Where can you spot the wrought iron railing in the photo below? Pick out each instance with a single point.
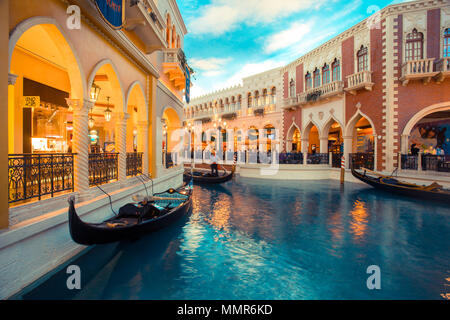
(336, 160)
(362, 160)
(290, 158)
(134, 163)
(318, 158)
(435, 163)
(36, 175)
(410, 162)
(103, 168)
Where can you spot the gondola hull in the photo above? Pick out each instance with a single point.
(409, 190)
(91, 233)
(208, 179)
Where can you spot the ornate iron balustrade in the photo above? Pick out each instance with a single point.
(290, 158)
(134, 163)
(362, 160)
(318, 158)
(103, 168)
(36, 175)
(435, 163)
(336, 160)
(410, 162)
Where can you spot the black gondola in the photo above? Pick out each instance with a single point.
(432, 192)
(132, 221)
(201, 177)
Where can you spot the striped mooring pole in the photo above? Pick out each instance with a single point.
(342, 169)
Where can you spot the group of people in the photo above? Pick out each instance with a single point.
(435, 151)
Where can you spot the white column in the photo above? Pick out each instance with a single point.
(323, 144)
(142, 142)
(121, 143)
(80, 142)
(348, 146)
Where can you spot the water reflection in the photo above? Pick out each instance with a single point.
(358, 224)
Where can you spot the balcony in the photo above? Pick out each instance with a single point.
(418, 70)
(290, 103)
(443, 69)
(358, 81)
(145, 20)
(325, 91)
(173, 67)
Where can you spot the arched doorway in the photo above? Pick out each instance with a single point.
(293, 142)
(269, 136)
(46, 73)
(362, 146)
(136, 131)
(333, 133)
(107, 126)
(311, 135)
(170, 122)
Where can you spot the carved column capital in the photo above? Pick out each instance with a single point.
(12, 78)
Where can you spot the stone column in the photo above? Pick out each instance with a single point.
(80, 142)
(142, 144)
(323, 144)
(121, 143)
(348, 148)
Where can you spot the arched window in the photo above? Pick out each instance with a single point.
(414, 46)
(308, 81)
(363, 61)
(446, 53)
(168, 29)
(316, 78)
(325, 74)
(257, 100)
(249, 100)
(336, 69)
(265, 98)
(273, 95)
(292, 88)
(174, 36)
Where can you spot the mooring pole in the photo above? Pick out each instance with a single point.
(342, 169)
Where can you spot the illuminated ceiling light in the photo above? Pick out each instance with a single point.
(107, 112)
(95, 92)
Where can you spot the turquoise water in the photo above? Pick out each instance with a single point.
(255, 239)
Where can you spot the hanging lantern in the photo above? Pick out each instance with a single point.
(108, 112)
(95, 92)
(91, 122)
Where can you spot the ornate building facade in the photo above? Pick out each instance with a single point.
(368, 93)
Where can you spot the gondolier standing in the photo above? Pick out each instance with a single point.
(214, 163)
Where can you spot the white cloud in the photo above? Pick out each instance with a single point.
(248, 70)
(196, 90)
(224, 15)
(287, 37)
(209, 67)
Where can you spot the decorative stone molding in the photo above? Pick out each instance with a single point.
(12, 78)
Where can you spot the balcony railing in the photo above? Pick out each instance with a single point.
(289, 102)
(409, 162)
(443, 69)
(173, 65)
(325, 91)
(134, 163)
(291, 158)
(418, 69)
(37, 175)
(360, 80)
(103, 168)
